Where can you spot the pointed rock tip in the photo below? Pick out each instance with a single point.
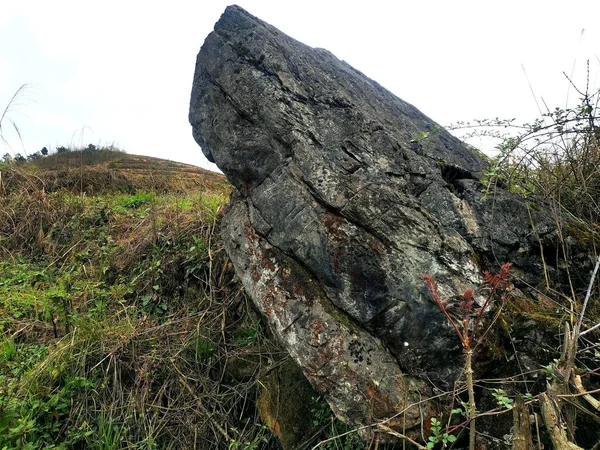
(235, 16)
(234, 9)
(237, 11)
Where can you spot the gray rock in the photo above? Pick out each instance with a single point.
(345, 196)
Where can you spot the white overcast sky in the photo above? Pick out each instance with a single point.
(121, 71)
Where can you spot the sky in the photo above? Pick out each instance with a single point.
(120, 72)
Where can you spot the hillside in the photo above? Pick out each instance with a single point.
(107, 170)
(121, 324)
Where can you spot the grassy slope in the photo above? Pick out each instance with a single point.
(120, 325)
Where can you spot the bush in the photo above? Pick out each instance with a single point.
(557, 158)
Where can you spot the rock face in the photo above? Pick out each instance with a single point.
(345, 196)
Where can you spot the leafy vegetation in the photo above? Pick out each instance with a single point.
(556, 157)
(121, 323)
(117, 315)
(438, 436)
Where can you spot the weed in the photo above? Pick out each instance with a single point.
(335, 434)
(204, 348)
(5, 117)
(238, 442)
(425, 134)
(556, 157)
(471, 325)
(438, 436)
(340, 436)
(135, 201)
(550, 370)
(108, 435)
(502, 399)
(8, 350)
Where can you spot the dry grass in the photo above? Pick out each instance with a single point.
(122, 324)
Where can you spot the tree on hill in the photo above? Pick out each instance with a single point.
(34, 156)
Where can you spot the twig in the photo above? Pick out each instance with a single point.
(587, 297)
(388, 430)
(199, 401)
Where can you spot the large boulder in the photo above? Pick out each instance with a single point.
(345, 196)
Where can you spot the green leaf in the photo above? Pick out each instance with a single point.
(146, 299)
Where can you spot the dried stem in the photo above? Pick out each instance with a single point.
(472, 406)
(587, 297)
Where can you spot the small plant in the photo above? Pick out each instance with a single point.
(550, 371)
(213, 204)
(197, 259)
(239, 443)
(135, 201)
(205, 348)
(336, 435)
(439, 437)
(108, 435)
(502, 399)
(248, 335)
(425, 134)
(8, 350)
(463, 410)
(468, 328)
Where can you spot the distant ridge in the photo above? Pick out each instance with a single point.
(106, 170)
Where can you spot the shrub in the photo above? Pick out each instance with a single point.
(556, 157)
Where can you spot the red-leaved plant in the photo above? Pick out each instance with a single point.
(494, 285)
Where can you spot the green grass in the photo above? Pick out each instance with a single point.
(115, 315)
(122, 325)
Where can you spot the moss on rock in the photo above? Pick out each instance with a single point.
(286, 402)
